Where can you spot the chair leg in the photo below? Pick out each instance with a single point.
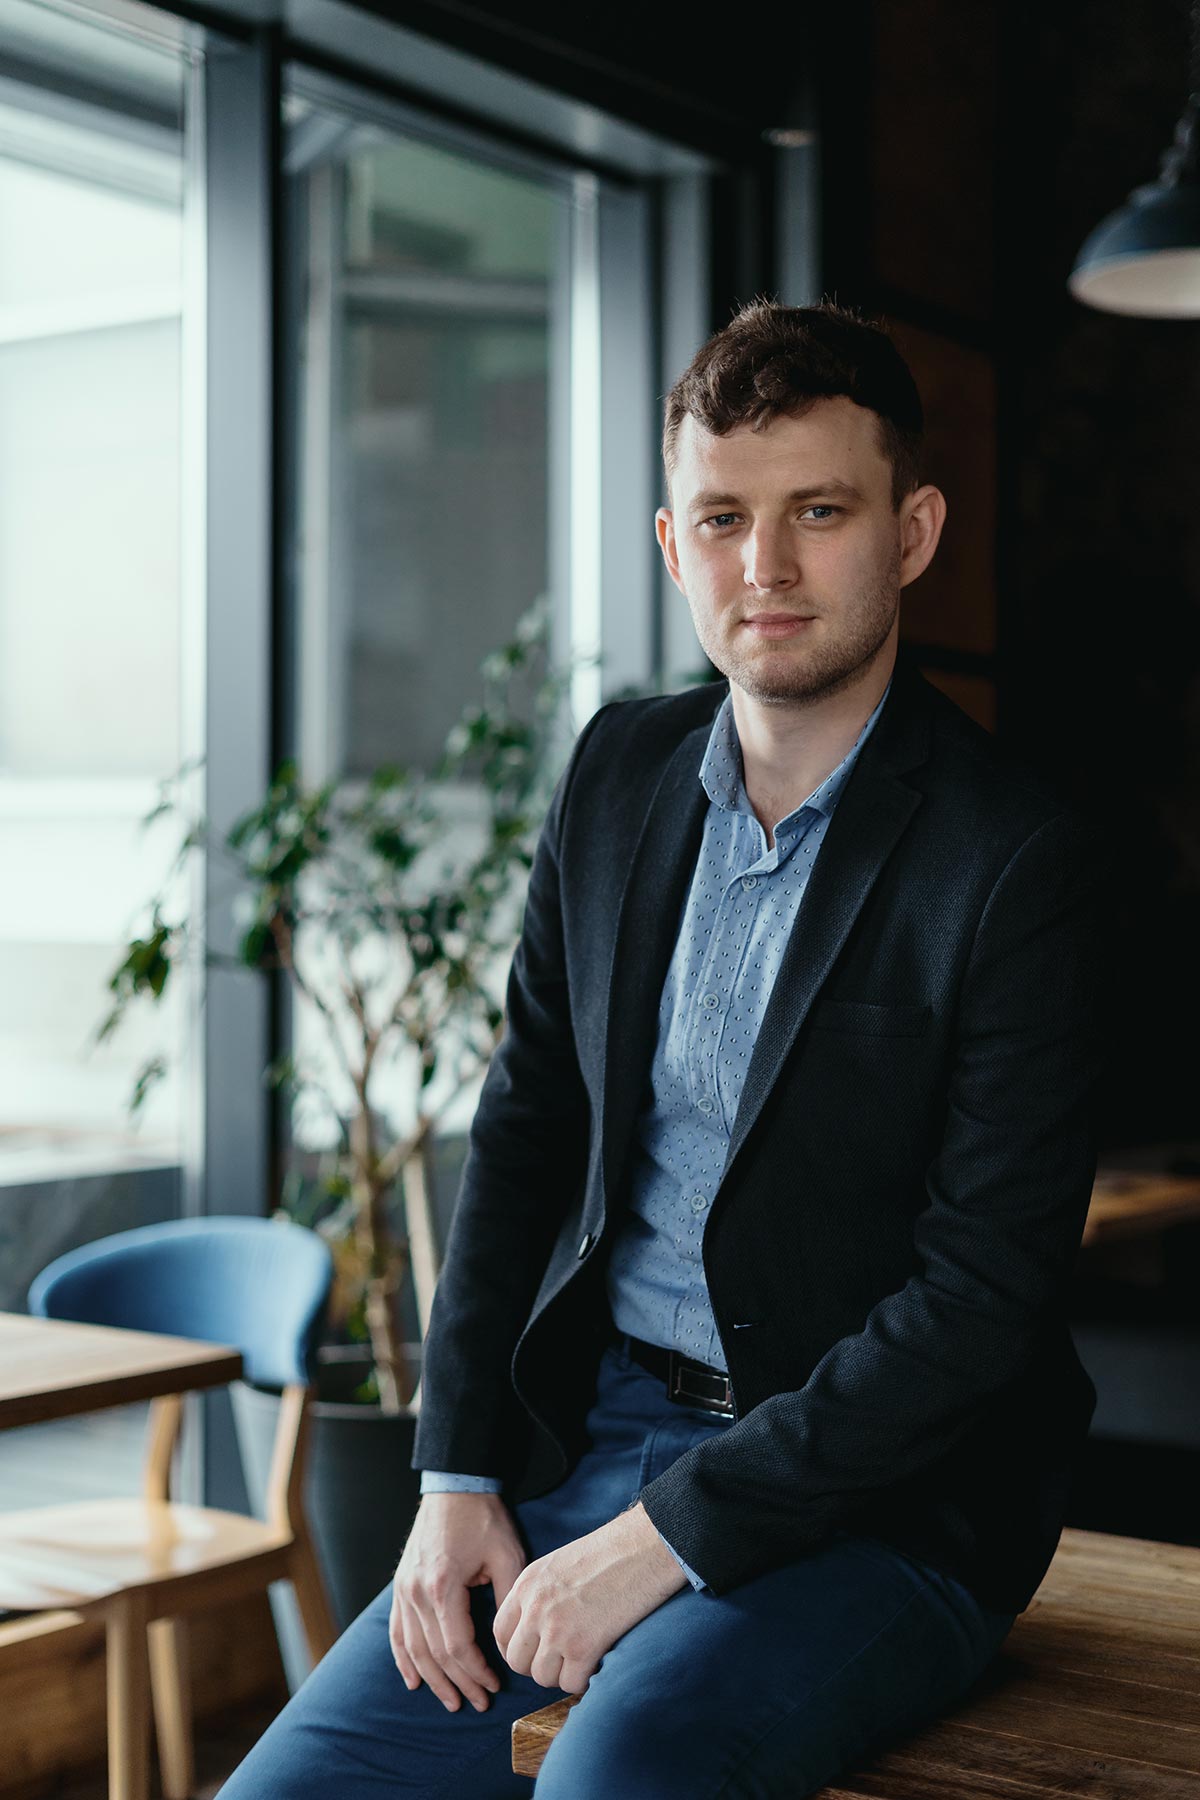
(128, 1698)
(170, 1684)
(316, 1615)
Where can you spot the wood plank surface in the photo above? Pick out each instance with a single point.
(53, 1369)
(1094, 1695)
(533, 1735)
(55, 1556)
(1076, 1644)
(1126, 1204)
(1130, 1726)
(953, 1762)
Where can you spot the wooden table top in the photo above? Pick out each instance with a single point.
(1131, 1203)
(1093, 1692)
(54, 1369)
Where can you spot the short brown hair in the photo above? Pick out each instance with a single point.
(772, 361)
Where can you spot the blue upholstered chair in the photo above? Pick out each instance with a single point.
(142, 1565)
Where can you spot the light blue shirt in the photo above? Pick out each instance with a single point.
(736, 921)
(740, 910)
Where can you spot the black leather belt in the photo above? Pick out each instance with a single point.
(688, 1383)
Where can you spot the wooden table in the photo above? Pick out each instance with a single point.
(54, 1369)
(1137, 1203)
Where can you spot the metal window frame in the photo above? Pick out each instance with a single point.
(685, 238)
(239, 121)
(241, 97)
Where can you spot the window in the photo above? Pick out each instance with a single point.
(93, 217)
(434, 286)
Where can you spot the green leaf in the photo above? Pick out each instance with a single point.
(255, 944)
(146, 965)
(110, 1025)
(280, 1072)
(393, 847)
(149, 1077)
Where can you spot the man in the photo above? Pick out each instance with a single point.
(749, 1407)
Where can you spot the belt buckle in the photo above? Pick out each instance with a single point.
(709, 1389)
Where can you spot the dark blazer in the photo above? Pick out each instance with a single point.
(906, 1183)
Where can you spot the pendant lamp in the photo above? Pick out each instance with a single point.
(1144, 259)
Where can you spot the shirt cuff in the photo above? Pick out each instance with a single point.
(437, 1481)
(698, 1582)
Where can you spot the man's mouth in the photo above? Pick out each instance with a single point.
(774, 625)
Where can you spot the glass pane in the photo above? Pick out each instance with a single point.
(424, 357)
(417, 206)
(446, 442)
(91, 218)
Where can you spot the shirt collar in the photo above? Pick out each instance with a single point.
(721, 769)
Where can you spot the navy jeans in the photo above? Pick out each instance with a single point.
(775, 1688)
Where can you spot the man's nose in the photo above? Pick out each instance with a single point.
(770, 558)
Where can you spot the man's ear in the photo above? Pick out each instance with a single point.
(664, 530)
(923, 515)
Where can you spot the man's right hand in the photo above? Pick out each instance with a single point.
(458, 1541)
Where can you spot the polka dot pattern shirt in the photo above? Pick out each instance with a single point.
(736, 921)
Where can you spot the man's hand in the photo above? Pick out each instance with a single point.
(566, 1609)
(458, 1541)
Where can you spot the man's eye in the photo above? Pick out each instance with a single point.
(721, 520)
(830, 510)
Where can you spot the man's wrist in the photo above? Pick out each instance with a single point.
(659, 1555)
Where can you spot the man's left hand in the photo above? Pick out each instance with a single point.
(566, 1609)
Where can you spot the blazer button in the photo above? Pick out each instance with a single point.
(585, 1244)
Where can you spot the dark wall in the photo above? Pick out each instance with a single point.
(1064, 605)
(1106, 581)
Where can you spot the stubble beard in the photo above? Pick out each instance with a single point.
(830, 659)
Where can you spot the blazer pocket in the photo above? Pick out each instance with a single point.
(870, 1018)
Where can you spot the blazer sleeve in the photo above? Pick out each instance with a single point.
(1008, 1193)
(526, 1154)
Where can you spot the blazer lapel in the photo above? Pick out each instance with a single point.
(874, 809)
(656, 887)
(844, 874)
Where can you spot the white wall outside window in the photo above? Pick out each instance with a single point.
(91, 582)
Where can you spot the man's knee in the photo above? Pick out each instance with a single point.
(655, 1752)
(609, 1746)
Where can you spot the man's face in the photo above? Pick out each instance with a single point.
(786, 546)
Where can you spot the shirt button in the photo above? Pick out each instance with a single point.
(585, 1244)
(749, 881)
(710, 1000)
(698, 1203)
(706, 1105)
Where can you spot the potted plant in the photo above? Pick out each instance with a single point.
(391, 906)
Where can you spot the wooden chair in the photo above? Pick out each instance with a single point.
(143, 1565)
(1095, 1692)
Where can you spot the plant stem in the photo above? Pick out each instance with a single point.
(418, 1217)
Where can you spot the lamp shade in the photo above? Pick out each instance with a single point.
(1144, 258)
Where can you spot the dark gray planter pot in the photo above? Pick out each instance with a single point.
(360, 1492)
